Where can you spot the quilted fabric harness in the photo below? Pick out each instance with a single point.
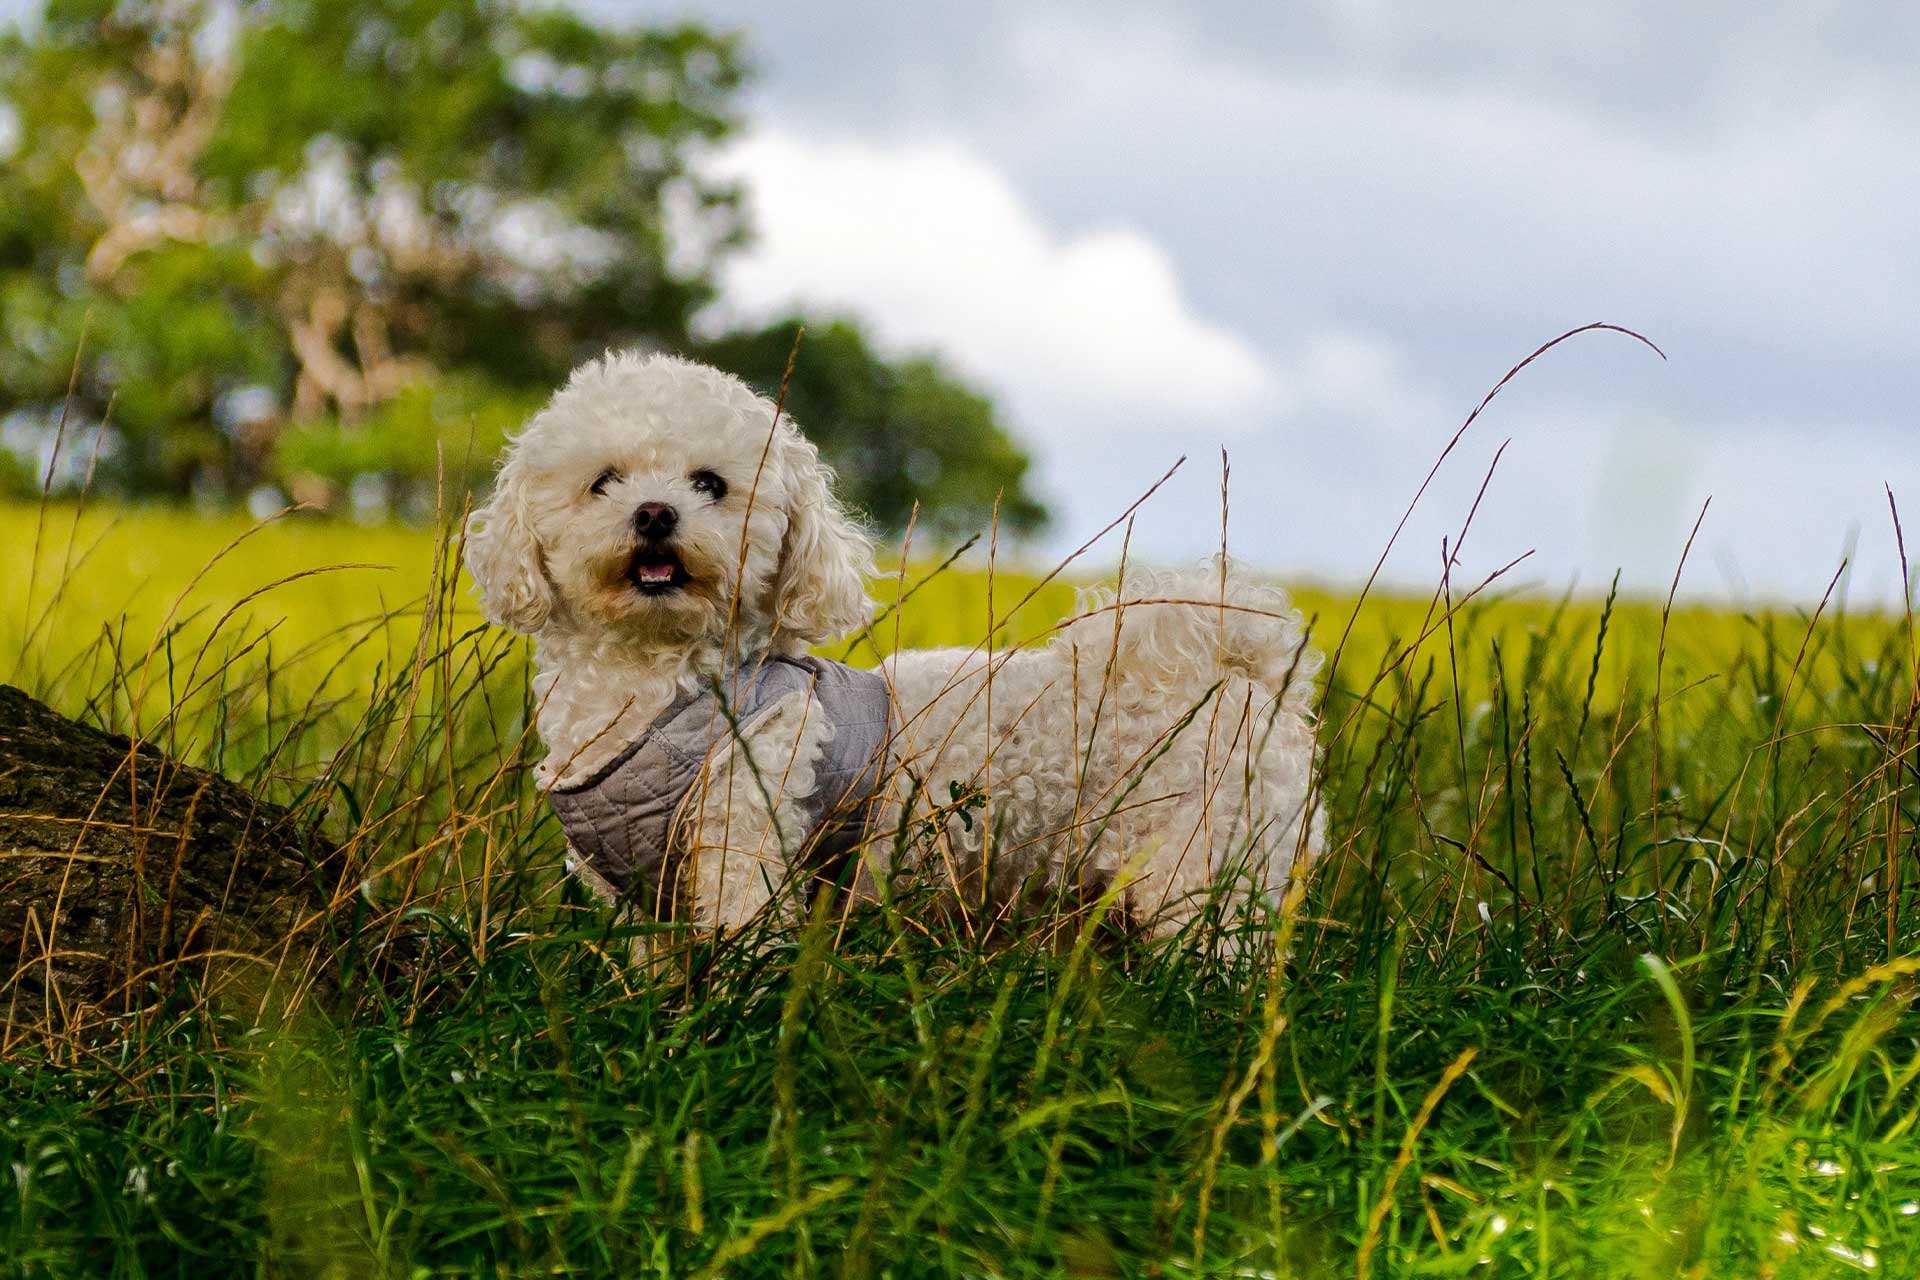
(621, 821)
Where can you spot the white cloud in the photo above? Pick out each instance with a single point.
(1390, 211)
(933, 246)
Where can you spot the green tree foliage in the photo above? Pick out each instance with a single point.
(334, 243)
(293, 211)
(900, 432)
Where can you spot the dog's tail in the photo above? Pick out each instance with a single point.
(1173, 634)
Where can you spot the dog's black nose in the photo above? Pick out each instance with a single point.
(654, 519)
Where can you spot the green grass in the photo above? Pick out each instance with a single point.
(1551, 1005)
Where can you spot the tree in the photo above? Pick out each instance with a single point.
(327, 242)
(900, 432)
(294, 211)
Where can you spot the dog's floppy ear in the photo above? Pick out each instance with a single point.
(504, 558)
(820, 588)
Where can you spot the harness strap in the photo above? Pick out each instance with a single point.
(621, 821)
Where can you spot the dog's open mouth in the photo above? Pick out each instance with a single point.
(655, 571)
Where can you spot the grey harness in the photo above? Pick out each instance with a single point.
(620, 821)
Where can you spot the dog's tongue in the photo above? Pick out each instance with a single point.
(655, 572)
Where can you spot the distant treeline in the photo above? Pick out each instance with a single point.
(333, 250)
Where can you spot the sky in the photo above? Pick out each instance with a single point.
(1316, 234)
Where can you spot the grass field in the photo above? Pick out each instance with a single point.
(1608, 972)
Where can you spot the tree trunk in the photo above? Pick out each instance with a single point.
(128, 878)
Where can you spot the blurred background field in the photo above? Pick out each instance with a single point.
(329, 605)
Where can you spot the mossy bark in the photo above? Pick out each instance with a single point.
(127, 878)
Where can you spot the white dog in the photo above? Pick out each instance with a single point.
(667, 541)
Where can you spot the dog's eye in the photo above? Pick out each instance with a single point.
(710, 484)
(601, 481)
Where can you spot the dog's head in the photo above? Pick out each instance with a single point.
(648, 497)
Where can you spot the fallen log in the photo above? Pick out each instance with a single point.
(128, 878)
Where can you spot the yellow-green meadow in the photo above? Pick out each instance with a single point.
(329, 603)
(1606, 970)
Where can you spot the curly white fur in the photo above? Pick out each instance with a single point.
(1162, 740)
(1161, 743)
(776, 564)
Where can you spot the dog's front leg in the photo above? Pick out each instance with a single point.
(746, 823)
